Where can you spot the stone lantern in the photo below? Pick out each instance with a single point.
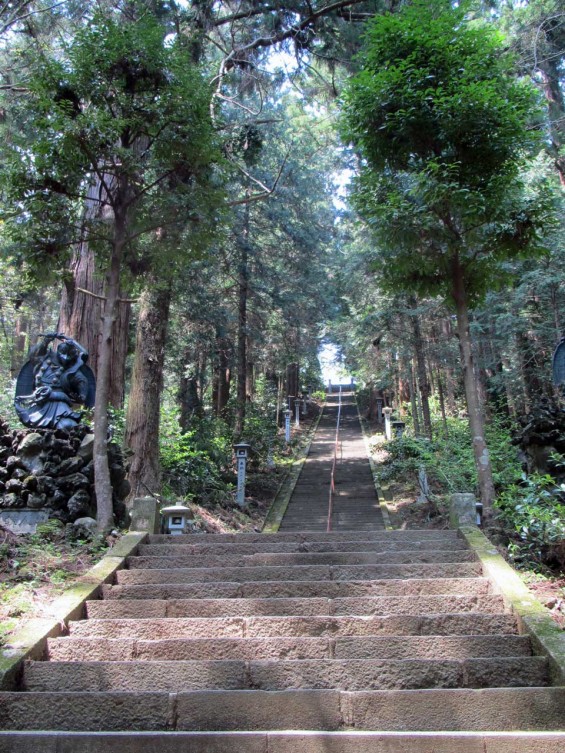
(175, 518)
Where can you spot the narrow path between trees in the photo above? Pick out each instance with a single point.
(355, 503)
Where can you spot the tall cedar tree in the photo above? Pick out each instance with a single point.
(441, 124)
(122, 108)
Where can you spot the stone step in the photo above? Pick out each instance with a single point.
(300, 589)
(499, 709)
(146, 608)
(361, 545)
(343, 674)
(351, 741)
(299, 558)
(248, 649)
(336, 536)
(270, 627)
(306, 572)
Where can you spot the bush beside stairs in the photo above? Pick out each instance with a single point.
(365, 642)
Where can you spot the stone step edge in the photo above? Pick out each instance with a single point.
(533, 619)
(337, 710)
(31, 641)
(352, 741)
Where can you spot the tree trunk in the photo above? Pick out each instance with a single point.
(80, 313)
(442, 402)
(414, 403)
(243, 295)
(21, 344)
(421, 368)
(551, 76)
(292, 379)
(102, 483)
(144, 404)
(474, 408)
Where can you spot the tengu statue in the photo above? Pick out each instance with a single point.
(53, 383)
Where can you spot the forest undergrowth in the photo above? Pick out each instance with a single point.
(528, 527)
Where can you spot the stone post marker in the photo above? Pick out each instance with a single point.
(241, 453)
(145, 515)
(287, 425)
(297, 412)
(388, 427)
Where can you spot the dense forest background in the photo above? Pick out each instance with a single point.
(201, 193)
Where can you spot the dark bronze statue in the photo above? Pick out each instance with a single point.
(52, 383)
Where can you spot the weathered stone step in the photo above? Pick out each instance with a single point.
(247, 649)
(351, 674)
(351, 741)
(270, 627)
(294, 559)
(337, 536)
(500, 709)
(360, 545)
(306, 572)
(146, 608)
(300, 589)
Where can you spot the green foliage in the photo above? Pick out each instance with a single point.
(195, 463)
(534, 509)
(443, 126)
(120, 105)
(448, 459)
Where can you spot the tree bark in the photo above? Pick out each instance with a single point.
(414, 403)
(243, 295)
(423, 382)
(474, 407)
(80, 313)
(144, 404)
(102, 483)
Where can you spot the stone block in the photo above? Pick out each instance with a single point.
(462, 510)
(259, 710)
(145, 515)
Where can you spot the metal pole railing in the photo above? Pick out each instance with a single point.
(334, 463)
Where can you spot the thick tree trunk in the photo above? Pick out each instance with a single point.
(144, 404)
(243, 295)
(292, 379)
(551, 76)
(474, 408)
(222, 373)
(80, 313)
(102, 483)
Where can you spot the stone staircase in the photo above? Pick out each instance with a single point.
(375, 642)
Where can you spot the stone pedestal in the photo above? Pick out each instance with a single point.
(463, 510)
(145, 515)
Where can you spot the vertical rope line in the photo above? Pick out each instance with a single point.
(332, 477)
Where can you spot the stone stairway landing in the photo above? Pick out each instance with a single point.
(373, 642)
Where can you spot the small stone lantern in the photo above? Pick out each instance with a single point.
(398, 428)
(175, 518)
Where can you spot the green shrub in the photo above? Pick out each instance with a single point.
(534, 510)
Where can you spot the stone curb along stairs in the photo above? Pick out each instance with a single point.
(365, 642)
